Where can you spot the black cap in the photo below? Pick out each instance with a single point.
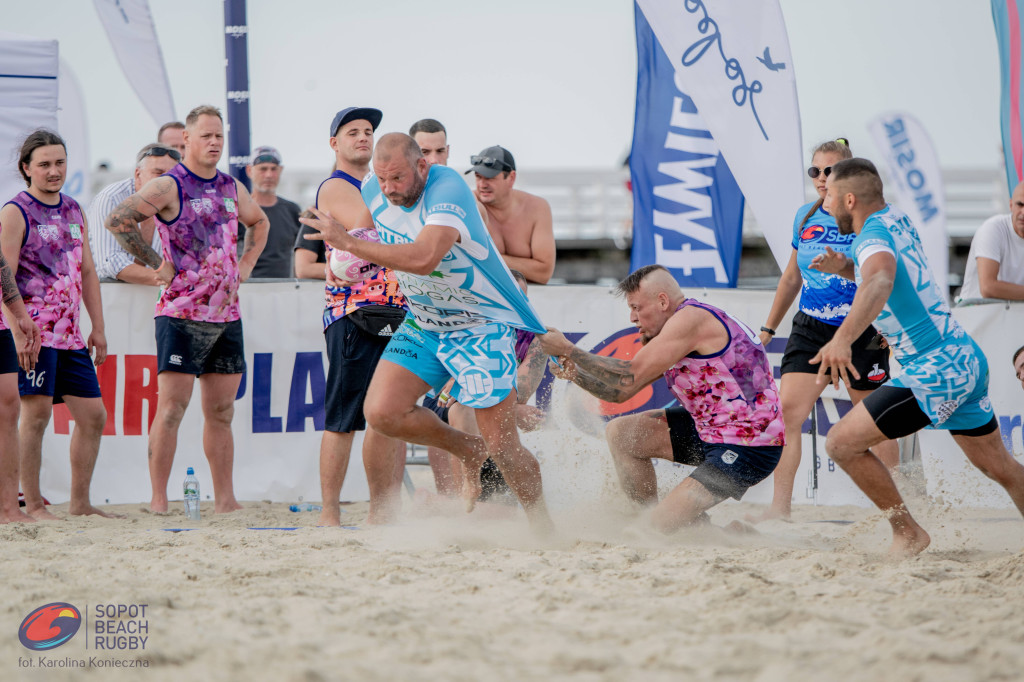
(492, 161)
(354, 114)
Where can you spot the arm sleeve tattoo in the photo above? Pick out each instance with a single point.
(123, 222)
(9, 284)
(607, 378)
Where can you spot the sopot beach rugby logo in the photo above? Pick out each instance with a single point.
(49, 626)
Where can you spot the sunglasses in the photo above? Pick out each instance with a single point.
(488, 162)
(814, 172)
(163, 151)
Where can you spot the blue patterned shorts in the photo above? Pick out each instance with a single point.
(482, 359)
(950, 385)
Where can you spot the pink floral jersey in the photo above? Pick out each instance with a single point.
(201, 243)
(731, 394)
(50, 268)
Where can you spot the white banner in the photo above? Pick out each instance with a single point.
(279, 414)
(916, 185)
(72, 125)
(733, 59)
(132, 34)
(28, 100)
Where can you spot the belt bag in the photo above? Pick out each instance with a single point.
(377, 320)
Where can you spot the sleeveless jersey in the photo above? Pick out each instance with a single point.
(731, 395)
(50, 268)
(201, 243)
(381, 289)
(823, 296)
(471, 285)
(523, 341)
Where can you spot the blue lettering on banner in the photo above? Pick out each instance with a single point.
(308, 373)
(903, 151)
(687, 207)
(1007, 425)
(262, 371)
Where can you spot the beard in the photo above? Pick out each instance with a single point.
(409, 199)
(844, 221)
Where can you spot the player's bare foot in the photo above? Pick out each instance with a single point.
(909, 541)
(158, 505)
(226, 506)
(16, 516)
(41, 513)
(89, 510)
(740, 528)
(330, 517)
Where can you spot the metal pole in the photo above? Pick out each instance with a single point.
(814, 450)
(236, 51)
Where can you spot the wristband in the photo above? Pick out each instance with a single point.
(768, 330)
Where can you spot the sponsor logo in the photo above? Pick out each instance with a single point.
(50, 626)
(230, 205)
(476, 382)
(945, 410)
(236, 31)
(729, 456)
(386, 331)
(48, 233)
(449, 208)
(76, 230)
(812, 233)
(238, 96)
(175, 360)
(876, 374)
(239, 160)
(404, 352)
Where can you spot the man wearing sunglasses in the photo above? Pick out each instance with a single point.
(519, 222)
(112, 261)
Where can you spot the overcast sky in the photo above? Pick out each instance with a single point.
(552, 80)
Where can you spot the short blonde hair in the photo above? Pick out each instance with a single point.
(209, 110)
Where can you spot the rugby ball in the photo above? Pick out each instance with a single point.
(350, 267)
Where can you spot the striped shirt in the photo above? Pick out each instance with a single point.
(109, 256)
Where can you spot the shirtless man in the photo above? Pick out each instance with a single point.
(519, 223)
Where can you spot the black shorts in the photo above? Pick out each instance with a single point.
(726, 470)
(432, 405)
(352, 356)
(198, 348)
(60, 372)
(809, 335)
(8, 353)
(897, 414)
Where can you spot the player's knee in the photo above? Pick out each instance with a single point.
(10, 407)
(617, 433)
(835, 449)
(380, 418)
(220, 412)
(171, 411)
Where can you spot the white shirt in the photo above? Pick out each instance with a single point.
(107, 253)
(996, 240)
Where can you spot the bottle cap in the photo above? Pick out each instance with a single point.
(189, 472)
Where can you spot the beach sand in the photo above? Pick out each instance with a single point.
(457, 597)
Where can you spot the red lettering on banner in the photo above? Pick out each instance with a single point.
(139, 385)
(106, 374)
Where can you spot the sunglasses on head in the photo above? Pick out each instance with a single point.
(163, 151)
(814, 172)
(488, 162)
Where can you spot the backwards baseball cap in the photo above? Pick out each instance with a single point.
(354, 114)
(492, 161)
(266, 155)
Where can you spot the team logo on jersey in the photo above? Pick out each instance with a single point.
(76, 230)
(812, 233)
(876, 374)
(729, 456)
(49, 233)
(229, 204)
(204, 205)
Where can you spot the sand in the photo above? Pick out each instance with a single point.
(439, 597)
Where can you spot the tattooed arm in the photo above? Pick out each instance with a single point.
(257, 228)
(616, 380)
(158, 195)
(27, 339)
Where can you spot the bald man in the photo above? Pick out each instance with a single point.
(944, 382)
(729, 422)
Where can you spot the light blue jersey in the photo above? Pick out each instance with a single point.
(823, 296)
(942, 365)
(472, 285)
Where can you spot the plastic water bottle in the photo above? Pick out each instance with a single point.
(304, 507)
(191, 495)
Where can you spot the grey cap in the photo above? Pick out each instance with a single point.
(266, 155)
(492, 161)
(354, 114)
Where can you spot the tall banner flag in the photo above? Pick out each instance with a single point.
(28, 99)
(733, 60)
(236, 49)
(913, 168)
(687, 207)
(1006, 15)
(129, 26)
